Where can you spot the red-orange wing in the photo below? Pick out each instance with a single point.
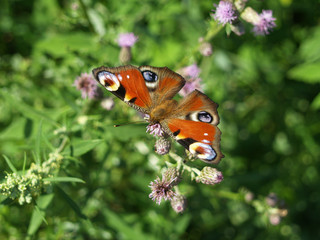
(127, 83)
(201, 139)
(194, 126)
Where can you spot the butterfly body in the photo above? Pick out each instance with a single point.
(192, 122)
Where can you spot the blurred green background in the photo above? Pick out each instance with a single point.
(267, 89)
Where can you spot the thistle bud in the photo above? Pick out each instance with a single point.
(250, 16)
(210, 176)
(162, 146)
(179, 203)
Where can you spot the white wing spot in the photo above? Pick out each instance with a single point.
(120, 77)
(206, 134)
(128, 76)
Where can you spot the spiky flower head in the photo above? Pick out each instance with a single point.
(162, 188)
(155, 129)
(162, 146)
(88, 86)
(127, 39)
(210, 176)
(179, 203)
(225, 13)
(265, 24)
(193, 81)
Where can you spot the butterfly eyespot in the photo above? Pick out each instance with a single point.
(205, 117)
(150, 76)
(109, 80)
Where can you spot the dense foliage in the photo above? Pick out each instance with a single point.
(90, 180)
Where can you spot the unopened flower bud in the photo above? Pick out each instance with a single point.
(240, 4)
(205, 49)
(250, 16)
(179, 203)
(210, 176)
(162, 146)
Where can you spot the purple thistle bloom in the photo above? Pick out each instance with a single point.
(191, 74)
(155, 129)
(162, 189)
(265, 24)
(190, 86)
(224, 13)
(191, 71)
(127, 39)
(88, 86)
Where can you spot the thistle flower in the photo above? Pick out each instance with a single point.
(191, 75)
(88, 86)
(162, 146)
(265, 24)
(162, 189)
(179, 203)
(127, 39)
(155, 129)
(210, 176)
(191, 71)
(224, 13)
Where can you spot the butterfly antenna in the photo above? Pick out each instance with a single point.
(119, 125)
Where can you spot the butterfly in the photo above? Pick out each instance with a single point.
(192, 121)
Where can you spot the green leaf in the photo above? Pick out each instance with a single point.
(97, 22)
(316, 102)
(13, 169)
(308, 72)
(64, 179)
(24, 163)
(62, 44)
(38, 213)
(71, 203)
(127, 132)
(8, 201)
(38, 144)
(81, 147)
(129, 231)
(28, 111)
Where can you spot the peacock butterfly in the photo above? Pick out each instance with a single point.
(192, 122)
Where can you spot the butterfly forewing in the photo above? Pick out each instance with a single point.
(127, 83)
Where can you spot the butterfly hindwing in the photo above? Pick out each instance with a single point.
(194, 126)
